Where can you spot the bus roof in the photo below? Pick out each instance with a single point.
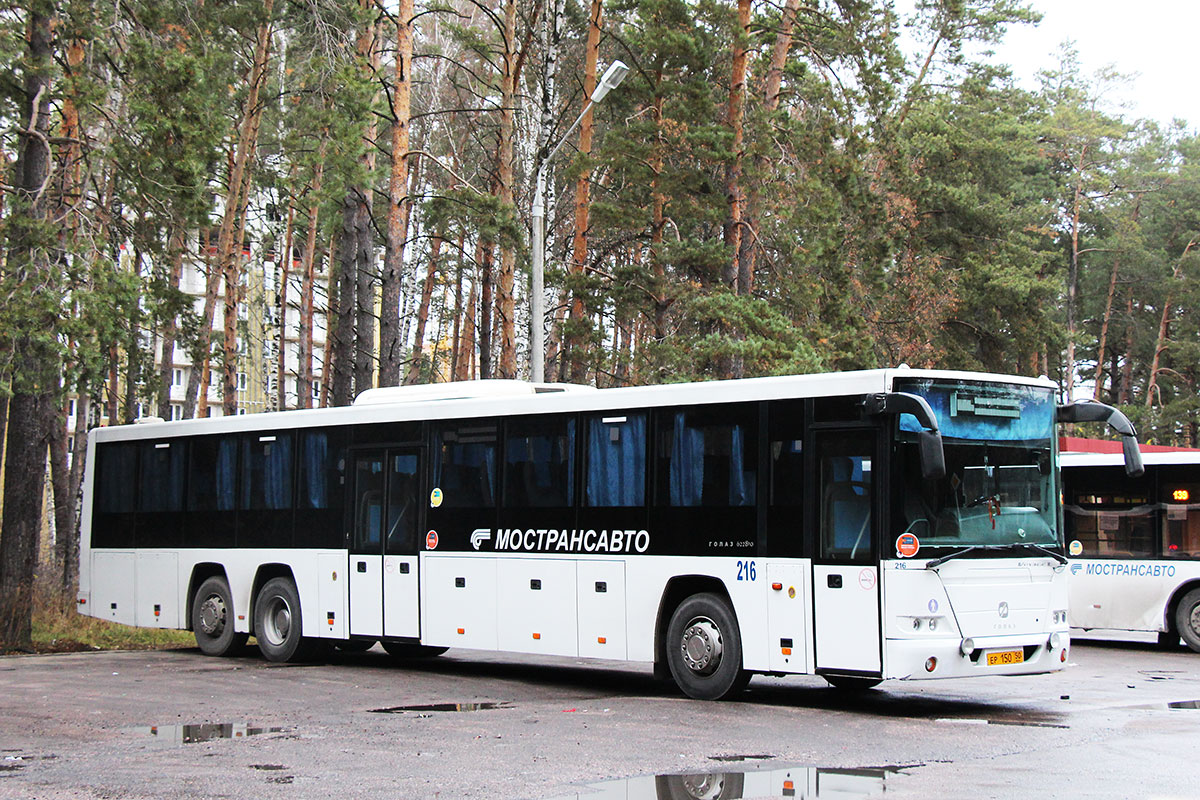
(508, 398)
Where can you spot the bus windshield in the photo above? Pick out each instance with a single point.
(999, 487)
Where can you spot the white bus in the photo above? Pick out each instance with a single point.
(859, 526)
(1135, 544)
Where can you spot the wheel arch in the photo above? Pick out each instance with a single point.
(1173, 604)
(265, 573)
(678, 589)
(200, 573)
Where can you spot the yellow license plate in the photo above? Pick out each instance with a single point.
(1002, 657)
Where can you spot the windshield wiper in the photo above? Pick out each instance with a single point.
(937, 562)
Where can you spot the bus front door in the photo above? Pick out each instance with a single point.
(846, 572)
(383, 555)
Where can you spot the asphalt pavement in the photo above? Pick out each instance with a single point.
(1122, 722)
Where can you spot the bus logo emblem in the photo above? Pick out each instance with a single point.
(1003, 611)
(479, 536)
(431, 540)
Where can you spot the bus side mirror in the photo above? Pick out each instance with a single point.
(933, 457)
(1091, 411)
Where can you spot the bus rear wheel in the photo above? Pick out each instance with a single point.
(277, 625)
(212, 619)
(704, 648)
(1187, 619)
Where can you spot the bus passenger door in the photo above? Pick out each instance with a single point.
(846, 570)
(383, 555)
(366, 544)
(401, 615)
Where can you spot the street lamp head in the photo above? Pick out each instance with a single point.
(612, 77)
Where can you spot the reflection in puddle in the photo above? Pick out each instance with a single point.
(204, 732)
(1184, 704)
(807, 783)
(442, 707)
(759, 757)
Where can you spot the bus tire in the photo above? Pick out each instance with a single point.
(212, 619)
(704, 648)
(277, 625)
(852, 683)
(707, 786)
(406, 650)
(354, 645)
(1187, 619)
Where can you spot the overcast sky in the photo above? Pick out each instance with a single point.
(1157, 42)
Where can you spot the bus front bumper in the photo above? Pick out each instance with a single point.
(1022, 654)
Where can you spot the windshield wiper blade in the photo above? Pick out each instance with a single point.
(1059, 557)
(937, 562)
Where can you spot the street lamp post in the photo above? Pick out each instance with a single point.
(537, 349)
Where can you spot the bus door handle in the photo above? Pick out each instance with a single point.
(833, 581)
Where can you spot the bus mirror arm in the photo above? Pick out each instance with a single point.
(929, 439)
(1091, 411)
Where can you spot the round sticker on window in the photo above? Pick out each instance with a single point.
(907, 545)
(1076, 547)
(435, 498)
(431, 540)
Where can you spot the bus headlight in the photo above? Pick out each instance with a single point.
(1055, 640)
(967, 647)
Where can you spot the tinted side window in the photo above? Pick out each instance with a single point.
(267, 472)
(616, 461)
(322, 455)
(212, 474)
(116, 478)
(707, 458)
(465, 466)
(163, 465)
(539, 462)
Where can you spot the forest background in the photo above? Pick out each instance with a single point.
(776, 188)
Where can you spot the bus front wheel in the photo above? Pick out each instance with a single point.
(212, 619)
(277, 625)
(704, 648)
(1187, 619)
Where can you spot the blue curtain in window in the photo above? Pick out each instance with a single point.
(226, 474)
(687, 463)
(740, 489)
(277, 473)
(616, 470)
(314, 464)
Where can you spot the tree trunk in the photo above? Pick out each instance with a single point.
(573, 342)
(1160, 342)
(466, 355)
(414, 364)
(228, 251)
(1073, 278)
(484, 329)
(304, 370)
(456, 334)
(505, 298)
(66, 539)
(36, 371)
(390, 346)
(170, 328)
(748, 242)
(286, 262)
(1125, 396)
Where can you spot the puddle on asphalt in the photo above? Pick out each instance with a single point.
(434, 707)
(203, 732)
(806, 783)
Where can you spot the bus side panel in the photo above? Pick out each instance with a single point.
(536, 604)
(459, 601)
(789, 612)
(1124, 594)
(601, 603)
(331, 595)
(158, 590)
(114, 586)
